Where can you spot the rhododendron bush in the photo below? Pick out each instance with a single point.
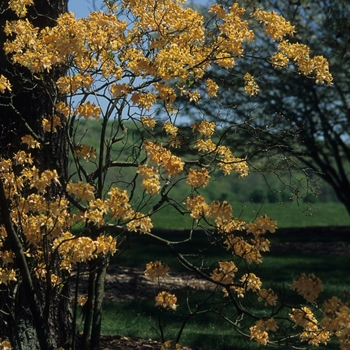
(126, 67)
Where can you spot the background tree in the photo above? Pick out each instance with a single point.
(121, 64)
(290, 117)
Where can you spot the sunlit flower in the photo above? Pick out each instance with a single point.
(4, 84)
(206, 128)
(251, 281)
(140, 223)
(170, 128)
(212, 88)
(148, 122)
(198, 178)
(166, 300)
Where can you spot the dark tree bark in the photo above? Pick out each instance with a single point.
(24, 322)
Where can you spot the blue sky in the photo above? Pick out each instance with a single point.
(82, 8)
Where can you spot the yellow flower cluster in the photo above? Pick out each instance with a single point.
(81, 190)
(70, 84)
(44, 221)
(251, 282)
(156, 269)
(261, 225)
(225, 273)
(30, 142)
(198, 178)
(205, 128)
(19, 7)
(275, 26)
(268, 296)
(197, 205)
(167, 46)
(4, 84)
(119, 204)
(250, 86)
(336, 320)
(163, 157)
(88, 110)
(222, 154)
(84, 151)
(234, 31)
(82, 249)
(5, 345)
(140, 223)
(251, 252)
(166, 300)
(7, 275)
(148, 122)
(170, 345)
(259, 331)
(51, 123)
(170, 128)
(312, 333)
(212, 88)
(308, 286)
(150, 179)
(300, 55)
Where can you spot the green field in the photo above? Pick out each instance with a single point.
(140, 318)
(287, 215)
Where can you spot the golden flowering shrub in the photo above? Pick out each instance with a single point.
(126, 69)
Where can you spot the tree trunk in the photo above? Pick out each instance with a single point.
(99, 296)
(23, 109)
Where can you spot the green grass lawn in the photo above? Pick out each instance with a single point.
(287, 215)
(140, 318)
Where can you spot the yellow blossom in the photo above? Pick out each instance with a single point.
(4, 84)
(250, 86)
(7, 275)
(50, 123)
(166, 300)
(119, 204)
(212, 88)
(308, 286)
(276, 26)
(206, 128)
(81, 190)
(82, 300)
(148, 122)
(5, 345)
(170, 345)
(205, 146)
(20, 6)
(30, 142)
(156, 269)
(198, 178)
(88, 110)
(268, 296)
(170, 128)
(141, 223)
(225, 273)
(163, 157)
(84, 151)
(258, 333)
(261, 225)
(251, 282)
(197, 206)
(218, 9)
